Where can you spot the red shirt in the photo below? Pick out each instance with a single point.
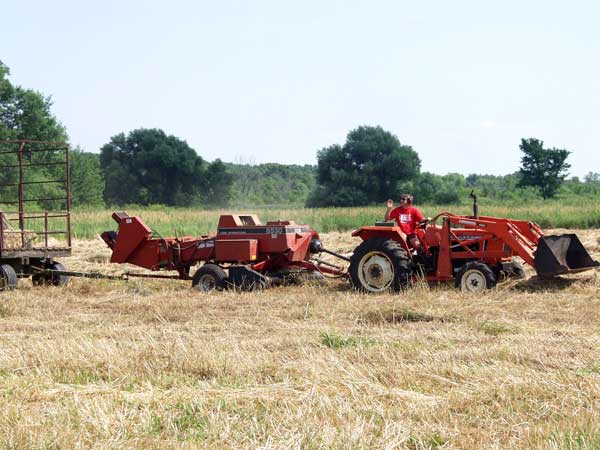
(407, 218)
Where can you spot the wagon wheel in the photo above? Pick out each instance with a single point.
(53, 279)
(208, 278)
(379, 265)
(8, 278)
(475, 277)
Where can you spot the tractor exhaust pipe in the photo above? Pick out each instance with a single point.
(475, 206)
(558, 255)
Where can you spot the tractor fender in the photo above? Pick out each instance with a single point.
(373, 232)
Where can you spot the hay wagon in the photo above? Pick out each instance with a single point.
(35, 212)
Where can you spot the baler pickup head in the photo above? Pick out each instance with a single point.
(558, 255)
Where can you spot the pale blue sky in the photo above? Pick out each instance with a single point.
(270, 81)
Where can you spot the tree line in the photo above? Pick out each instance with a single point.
(394, 168)
(148, 166)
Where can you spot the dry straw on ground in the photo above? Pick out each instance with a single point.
(151, 364)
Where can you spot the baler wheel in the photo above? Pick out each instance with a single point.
(380, 265)
(208, 278)
(45, 279)
(475, 277)
(8, 278)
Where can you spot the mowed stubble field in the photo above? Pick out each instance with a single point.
(153, 364)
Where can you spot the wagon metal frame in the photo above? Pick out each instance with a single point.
(23, 257)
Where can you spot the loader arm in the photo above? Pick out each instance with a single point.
(511, 233)
(519, 244)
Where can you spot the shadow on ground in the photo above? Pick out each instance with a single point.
(556, 284)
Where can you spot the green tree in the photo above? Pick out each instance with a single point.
(592, 182)
(25, 114)
(147, 166)
(272, 183)
(87, 182)
(542, 168)
(428, 187)
(368, 168)
(424, 187)
(452, 189)
(500, 187)
(219, 183)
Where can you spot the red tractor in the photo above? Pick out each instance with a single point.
(473, 251)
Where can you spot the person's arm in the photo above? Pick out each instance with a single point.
(418, 215)
(390, 207)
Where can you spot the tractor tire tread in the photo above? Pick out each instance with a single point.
(488, 273)
(518, 271)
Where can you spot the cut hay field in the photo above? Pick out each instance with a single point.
(154, 365)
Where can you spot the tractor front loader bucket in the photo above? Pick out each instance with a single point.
(557, 255)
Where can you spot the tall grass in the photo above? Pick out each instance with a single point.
(583, 213)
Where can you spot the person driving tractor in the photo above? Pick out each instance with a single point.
(407, 217)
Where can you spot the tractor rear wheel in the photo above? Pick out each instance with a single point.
(208, 278)
(380, 265)
(475, 277)
(8, 278)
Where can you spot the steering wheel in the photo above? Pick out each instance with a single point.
(423, 223)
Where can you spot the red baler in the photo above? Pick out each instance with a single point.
(243, 252)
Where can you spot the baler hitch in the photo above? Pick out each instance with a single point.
(316, 246)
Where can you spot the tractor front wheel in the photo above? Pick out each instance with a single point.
(208, 278)
(8, 278)
(516, 270)
(475, 277)
(380, 265)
